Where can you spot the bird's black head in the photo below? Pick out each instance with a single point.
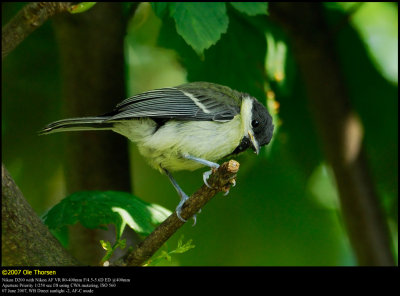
(261, 123)
(258, 125)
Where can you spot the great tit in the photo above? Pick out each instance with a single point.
(184, 127)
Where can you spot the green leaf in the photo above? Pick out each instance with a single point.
(122, 244)
(377, 24)
(160, 8)
(96, 209)
(81, 7)
(237, 60)
(251, 8)
(106, 245)
(61, 235)
(201, 24)
(165, 255)
(183, 247)
(321, 185)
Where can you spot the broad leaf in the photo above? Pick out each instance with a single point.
(200, 24)
(96, 209)
(160, 8)
(237, 60)
(251, 8)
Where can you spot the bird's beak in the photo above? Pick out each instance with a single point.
(254, 143)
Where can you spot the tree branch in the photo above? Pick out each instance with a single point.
(32, 16)
(220, 180)
(339, 128)
(25, 239)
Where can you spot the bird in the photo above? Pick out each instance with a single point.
(185, 127)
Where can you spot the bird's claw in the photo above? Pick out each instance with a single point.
(207, 175)
(184, 198)
(179, 210)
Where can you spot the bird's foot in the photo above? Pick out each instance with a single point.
(184, 198)
(207, 175)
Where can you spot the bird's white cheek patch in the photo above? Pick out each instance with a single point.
(246, 113)
(247, 106)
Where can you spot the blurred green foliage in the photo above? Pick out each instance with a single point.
(284, 209)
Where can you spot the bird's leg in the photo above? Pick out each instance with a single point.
(182, 194)
(205, 162)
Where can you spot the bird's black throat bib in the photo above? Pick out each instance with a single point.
(245, 144)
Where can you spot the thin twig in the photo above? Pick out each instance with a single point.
(28, 19)
(220, 180)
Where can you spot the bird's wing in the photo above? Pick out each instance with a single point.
(176, 103)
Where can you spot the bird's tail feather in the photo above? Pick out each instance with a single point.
(77, 124)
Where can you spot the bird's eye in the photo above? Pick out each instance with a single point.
(255, 123)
